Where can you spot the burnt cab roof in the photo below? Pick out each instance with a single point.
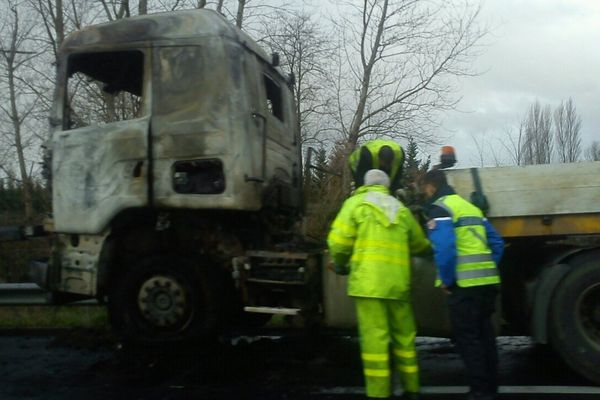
(178, 27)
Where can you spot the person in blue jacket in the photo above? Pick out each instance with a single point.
(467, 250)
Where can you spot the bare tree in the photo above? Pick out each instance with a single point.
(567, 125)
(479, 146)
(304, 49)
(52, 13)
(16, 56)
(143, 7)
(592, 153)
(116, 9)
(514, 145)
(239, 17)
(537, 143)
(250, 14)
(487, 152)
(59, 17)
(397, 66)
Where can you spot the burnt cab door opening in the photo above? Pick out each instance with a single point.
(99, 162)
(283, 165)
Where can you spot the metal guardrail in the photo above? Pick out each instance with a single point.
(30, 294)
(20, 233)
(17, 294)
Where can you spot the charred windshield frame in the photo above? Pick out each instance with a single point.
(274, 97)
(103, 87)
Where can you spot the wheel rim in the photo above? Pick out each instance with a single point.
(588, 314)
(163, 301)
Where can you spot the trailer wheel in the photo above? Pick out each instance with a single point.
(575, 317)
(164, 300)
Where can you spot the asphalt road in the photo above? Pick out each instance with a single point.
(92, 365)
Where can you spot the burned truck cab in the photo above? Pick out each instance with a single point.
(174, 143)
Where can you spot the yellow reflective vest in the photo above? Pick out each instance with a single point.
(377, 234)
(474, 263)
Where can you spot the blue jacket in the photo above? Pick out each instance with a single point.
(440, 230)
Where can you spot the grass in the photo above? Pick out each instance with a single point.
(31, 317)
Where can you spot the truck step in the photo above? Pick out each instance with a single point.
(273, 310)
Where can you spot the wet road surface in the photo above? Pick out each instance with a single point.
(91, 365)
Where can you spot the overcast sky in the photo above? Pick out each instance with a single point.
(538, 49)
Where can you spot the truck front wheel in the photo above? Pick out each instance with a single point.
(575, 317)
(164, 299)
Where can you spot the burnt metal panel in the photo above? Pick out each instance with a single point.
(79, 263)
(206, 98)
(96, 174)
(203, 110)
(169, 27)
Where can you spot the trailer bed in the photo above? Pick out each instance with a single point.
(537, 200)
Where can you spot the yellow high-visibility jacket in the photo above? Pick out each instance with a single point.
(377, 234)
(371, 155)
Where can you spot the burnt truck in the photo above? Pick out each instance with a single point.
(176, 175)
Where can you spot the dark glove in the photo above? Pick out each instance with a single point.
(341, 269)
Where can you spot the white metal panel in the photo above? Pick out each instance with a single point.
(548, 189)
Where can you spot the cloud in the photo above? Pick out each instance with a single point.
(538, 49)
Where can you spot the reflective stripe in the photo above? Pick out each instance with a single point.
(481, 238)
(392, 260)
(477, 273)
(405, 353)
(375, 357)
(345, 228)
(379, 243)
(468, 221)
(339, 239)
(473, 258)
(408, 368)
(381, 373)
(440, 203)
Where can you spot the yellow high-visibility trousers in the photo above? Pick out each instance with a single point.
(381, 322)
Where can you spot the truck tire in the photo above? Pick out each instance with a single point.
(575, 317)
(164, 300)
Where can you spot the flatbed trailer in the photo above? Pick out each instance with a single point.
(547, 200)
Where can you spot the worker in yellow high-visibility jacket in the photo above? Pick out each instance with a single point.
(372, 238)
